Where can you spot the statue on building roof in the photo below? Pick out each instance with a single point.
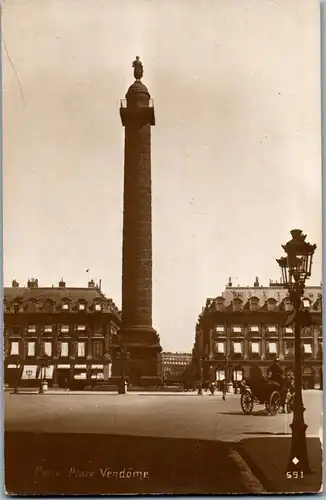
(138, 69)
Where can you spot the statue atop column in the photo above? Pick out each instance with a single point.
(138, 69)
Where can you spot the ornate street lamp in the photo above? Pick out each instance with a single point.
(44, 363)
(122, 354)
(296, 268)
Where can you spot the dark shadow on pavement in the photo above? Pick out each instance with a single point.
(264, 433)
(260, 413)
(268, 457)
(57, 464)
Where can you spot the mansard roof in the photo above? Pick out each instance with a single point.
(59, 295)
(263, 294)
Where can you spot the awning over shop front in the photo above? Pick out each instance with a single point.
(29, 372)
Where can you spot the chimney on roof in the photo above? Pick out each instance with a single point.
(62, 284)
(230, 281)
(91, 284)
(15, 284)
(256, 281)
(32, 283)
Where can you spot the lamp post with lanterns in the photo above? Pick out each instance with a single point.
(296, 269)
(44, 363)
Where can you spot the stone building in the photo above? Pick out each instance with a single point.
(174, 367)
(244, 328)
(72, 328)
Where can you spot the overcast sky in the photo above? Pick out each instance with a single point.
(236, 150)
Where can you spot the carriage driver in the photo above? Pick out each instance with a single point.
(276, 372)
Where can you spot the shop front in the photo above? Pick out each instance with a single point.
(29, 376)
(79, 381)
(96, 374)
(62, 375)
(12, 375)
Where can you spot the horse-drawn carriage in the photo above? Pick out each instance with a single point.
(268, 393)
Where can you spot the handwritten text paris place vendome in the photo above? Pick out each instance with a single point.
(105, 473)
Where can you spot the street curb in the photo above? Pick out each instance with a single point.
(252, 483)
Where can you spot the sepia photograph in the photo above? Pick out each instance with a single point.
(162, 247)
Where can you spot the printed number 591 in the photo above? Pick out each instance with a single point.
(294, 475)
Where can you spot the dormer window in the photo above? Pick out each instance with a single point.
(98, 307)
(254, 303)
(271, 329)
(289, 329)
(254, 328)
(271, 305)
(16, 308)
(65, 307)
(219, 329)
(219, 304)
(81, 307)
(64, 328)
(32, 329)
(237, 305)
(237, 329)
(81, 328)
(288, 305)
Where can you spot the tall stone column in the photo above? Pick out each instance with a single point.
(139, 337)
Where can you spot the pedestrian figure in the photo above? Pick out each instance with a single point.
(223, 389)
(66, 384)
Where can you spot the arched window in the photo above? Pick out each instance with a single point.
(254, 303)
(271, 304)
(219, 304)
(48, 305)
(237, 304)
(65, 304)
(288, 307)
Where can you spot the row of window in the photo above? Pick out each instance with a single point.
(47, 348)
(50, 329)
(253, 329)
(65, 306)
(270, 304)
(237, 375)
(255, 347)
(178, 363)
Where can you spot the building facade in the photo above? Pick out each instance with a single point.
(175, 366)
(244, 328)
(71, 330)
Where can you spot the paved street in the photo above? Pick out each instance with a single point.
(184, 443)
(153, 415)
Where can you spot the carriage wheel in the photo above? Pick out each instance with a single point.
(247, 402)
(289, 403)
(274, 403)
